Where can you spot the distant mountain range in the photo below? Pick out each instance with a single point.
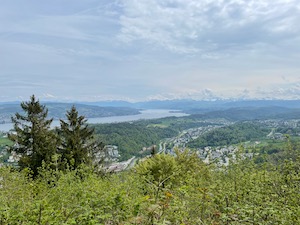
(58, 110)
(250, 113)
(188, 104)
(229, 109)
(182, 104)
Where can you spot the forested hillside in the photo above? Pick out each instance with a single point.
(248, 113)
(131, 137)
(230, 135)
(57, 111)
(150, 112)
(58, 181)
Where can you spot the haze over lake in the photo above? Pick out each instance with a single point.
(145, 114)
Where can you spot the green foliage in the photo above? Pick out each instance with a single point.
(76, 141)
(162, 189)
(71, 197)
(70, 146)
(5, 142)
(169, 184)
(176, 123)
(233, 134)
(254, 195)
(276, 151)
(34, 139)
(131, 137)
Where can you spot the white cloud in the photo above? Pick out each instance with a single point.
(133, 49)
(193, 26)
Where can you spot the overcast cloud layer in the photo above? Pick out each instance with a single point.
(149, 49)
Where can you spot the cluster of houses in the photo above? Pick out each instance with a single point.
(275, 135)
(189, 135)
(109, 154)
(222, 155)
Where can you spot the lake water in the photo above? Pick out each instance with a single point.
(145, 114)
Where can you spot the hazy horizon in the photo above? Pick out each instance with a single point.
(71, 50)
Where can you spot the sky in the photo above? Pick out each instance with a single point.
(137, 50)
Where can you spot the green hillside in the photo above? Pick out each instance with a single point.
(160, 190)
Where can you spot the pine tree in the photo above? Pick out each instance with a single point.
(77, 141)
(34, 140)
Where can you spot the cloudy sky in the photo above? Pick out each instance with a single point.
(149, 49)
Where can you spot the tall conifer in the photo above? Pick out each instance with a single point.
(77, 144)
(33, 137)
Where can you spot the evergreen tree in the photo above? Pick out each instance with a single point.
(33, 138)
(77, 144)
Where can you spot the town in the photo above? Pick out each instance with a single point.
(219, 154)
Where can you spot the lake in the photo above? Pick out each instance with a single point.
(144, 115)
